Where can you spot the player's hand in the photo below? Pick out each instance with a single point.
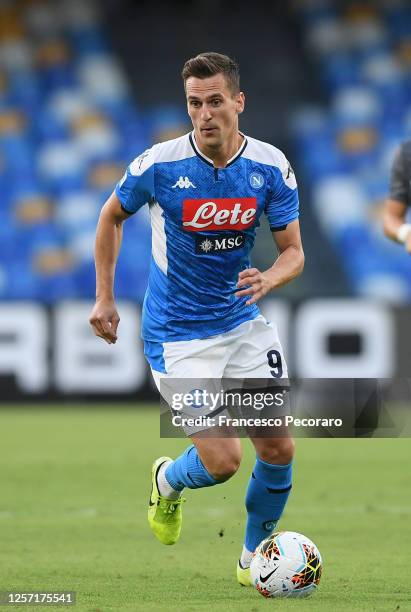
(407, 243)
(256, 284)
(104, 320)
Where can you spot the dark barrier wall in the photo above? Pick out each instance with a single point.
(52, 353)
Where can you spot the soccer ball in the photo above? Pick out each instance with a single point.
(286, 564)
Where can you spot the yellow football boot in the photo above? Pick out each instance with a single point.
(244, 575)
(164, 515)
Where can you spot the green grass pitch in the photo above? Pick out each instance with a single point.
(74, 488)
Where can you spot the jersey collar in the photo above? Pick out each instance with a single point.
(209, 161)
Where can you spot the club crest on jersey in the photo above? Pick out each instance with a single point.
(220, 242)
(257, 180)
(219, 214)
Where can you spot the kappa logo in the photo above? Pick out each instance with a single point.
(184, 183)
(219, 214)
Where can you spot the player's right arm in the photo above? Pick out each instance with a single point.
(396, 205)
(133, 191)
(104, 318)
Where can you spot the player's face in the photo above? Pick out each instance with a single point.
(213, 109)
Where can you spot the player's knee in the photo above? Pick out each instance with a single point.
(225, 471)
(278, 451)
(224, 468)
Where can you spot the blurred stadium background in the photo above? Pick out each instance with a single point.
(86, 86)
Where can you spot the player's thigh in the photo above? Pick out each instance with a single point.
(257, 361)
(192, 404)
(219, 448)
(191, 385)
(187, 365)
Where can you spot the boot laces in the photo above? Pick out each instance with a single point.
(169, 506)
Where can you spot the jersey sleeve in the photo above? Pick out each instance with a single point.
(399, 181)
(283, 205)
(136, 188)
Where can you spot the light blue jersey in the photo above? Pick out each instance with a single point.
(203, 229)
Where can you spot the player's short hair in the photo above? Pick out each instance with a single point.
(205, 65)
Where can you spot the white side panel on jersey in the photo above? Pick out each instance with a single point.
(265, 153)
(174, 150)
(158, 237)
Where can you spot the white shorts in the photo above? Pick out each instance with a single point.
(250, 351)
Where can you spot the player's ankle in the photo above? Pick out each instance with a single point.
(245, 559)
(164, 487)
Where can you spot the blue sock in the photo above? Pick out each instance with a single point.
(188, 471)
(267, 494)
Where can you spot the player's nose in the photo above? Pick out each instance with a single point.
(206, 114)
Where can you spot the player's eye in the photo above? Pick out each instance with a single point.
(216, 102)
(195, 103)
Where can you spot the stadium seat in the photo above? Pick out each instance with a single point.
(68, 128)
(363, 54)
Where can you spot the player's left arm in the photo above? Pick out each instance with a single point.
(288, 265)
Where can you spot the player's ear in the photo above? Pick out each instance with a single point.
(240, 102)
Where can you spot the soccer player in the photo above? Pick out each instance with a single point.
(206, 192)
(399, 200)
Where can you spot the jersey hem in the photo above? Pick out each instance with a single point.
(202, 336)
